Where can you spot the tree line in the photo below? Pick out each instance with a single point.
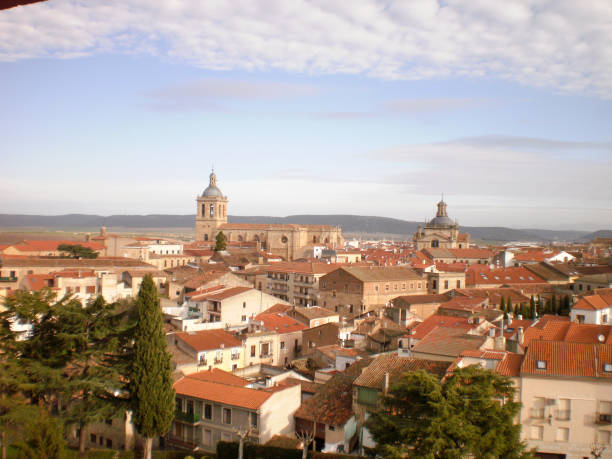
(80, 364)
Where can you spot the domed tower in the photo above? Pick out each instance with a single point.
(211, 211)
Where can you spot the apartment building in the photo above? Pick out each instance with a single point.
(206, 349)
(566, 392)
(213, 406)
(354, 290)
(294, 282)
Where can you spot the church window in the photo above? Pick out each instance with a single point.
(212, 210)
(240, 238)
(327, 240)
(435, 243)
(314, 239)
(256, 238)
(203, 210)
(206, 237)
(284, 239)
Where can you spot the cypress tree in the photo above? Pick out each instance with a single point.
(151, 392)
(220, 242)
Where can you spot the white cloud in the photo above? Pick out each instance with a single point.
(562, 44)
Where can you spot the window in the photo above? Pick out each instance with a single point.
(541, 364)
(253, 351)
(244, 304)
(580, 318)
(562, 434)
(445, 284)
(101, 441)
(284, 239)
(265, 349)
(243, 318)
(458, 284)
(608, 367)
(387, 287)
(92, 438)
(332, 428)
(207, 436)
(109, 443)
(394, 288)
(109, 422)
(212, 210)
(227, 416)
(254, 420)
(537, 432)
(403, 286)
(282, 345)
(207, 411)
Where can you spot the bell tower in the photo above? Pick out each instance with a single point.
(211, 211)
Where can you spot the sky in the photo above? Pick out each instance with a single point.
(311, 107)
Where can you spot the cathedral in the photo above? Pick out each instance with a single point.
(441, 231)
(289, 241)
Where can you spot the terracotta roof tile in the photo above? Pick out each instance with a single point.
(205, 340)
(558, 358)
(242, 397)
(280, 323)
(221, 377)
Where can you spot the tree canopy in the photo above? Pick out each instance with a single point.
(77, 251)
(221, 242)
(471, 412)
(151, 391)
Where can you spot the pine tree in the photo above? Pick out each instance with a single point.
(221, 242)
(502, 304)
(555, 305)
(151, 392)
(462, 416)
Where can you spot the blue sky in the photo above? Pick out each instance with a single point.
(311, 107)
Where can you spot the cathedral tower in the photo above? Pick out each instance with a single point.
(211, 211)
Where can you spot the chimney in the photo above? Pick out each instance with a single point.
(500, 343)
(520, 335)
(386, 383)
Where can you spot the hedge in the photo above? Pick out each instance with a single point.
(229, 450)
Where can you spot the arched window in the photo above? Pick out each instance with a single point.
(256, 238)
(203, 210)
(284, 239)
(314, 239)
(435, 243)
(240, 238)
(206, 237)
(327, 240)
(212, 210)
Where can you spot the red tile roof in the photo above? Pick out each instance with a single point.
(567, 359)
(242, 397)
(503, 276)
(594, 302)
(303, 267)
(422, 329)
(205, 340)
(219, 376)
(280, 323)
(230, 292)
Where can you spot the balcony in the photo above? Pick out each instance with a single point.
(8, 279)
(182, 444)
(265, 356)
(562, 415)
(603, 418)
(189, 418)
(203, 362)
(537, 413)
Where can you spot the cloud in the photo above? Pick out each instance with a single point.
(559, 44)
(212, 93)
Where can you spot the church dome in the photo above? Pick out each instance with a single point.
(441, 218)
(212, 190)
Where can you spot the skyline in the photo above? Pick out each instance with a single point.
(376, 109)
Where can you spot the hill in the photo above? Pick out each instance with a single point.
(354, 224)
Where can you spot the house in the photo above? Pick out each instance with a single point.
(422, 306)
(477, 277)
(566, 396)
(213, 406)
(186, 279)
(353, 290)
(329, 413)
(455, 255)
(231, 306)
(592, 282)
(593, 309)
(447, 343)
(322, 335)
(289, 332)
(206, 349)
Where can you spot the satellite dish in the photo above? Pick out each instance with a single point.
(601, 338)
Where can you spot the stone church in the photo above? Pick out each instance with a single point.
(441, 231)
(290, 241)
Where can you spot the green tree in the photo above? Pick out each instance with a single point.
(44, 438)
(151, 392)
(502, 304)
(92, 380)
(221, 242)
(77, 251)
(533, 307)
(422, 417)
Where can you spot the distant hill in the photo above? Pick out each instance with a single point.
(355, 224)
